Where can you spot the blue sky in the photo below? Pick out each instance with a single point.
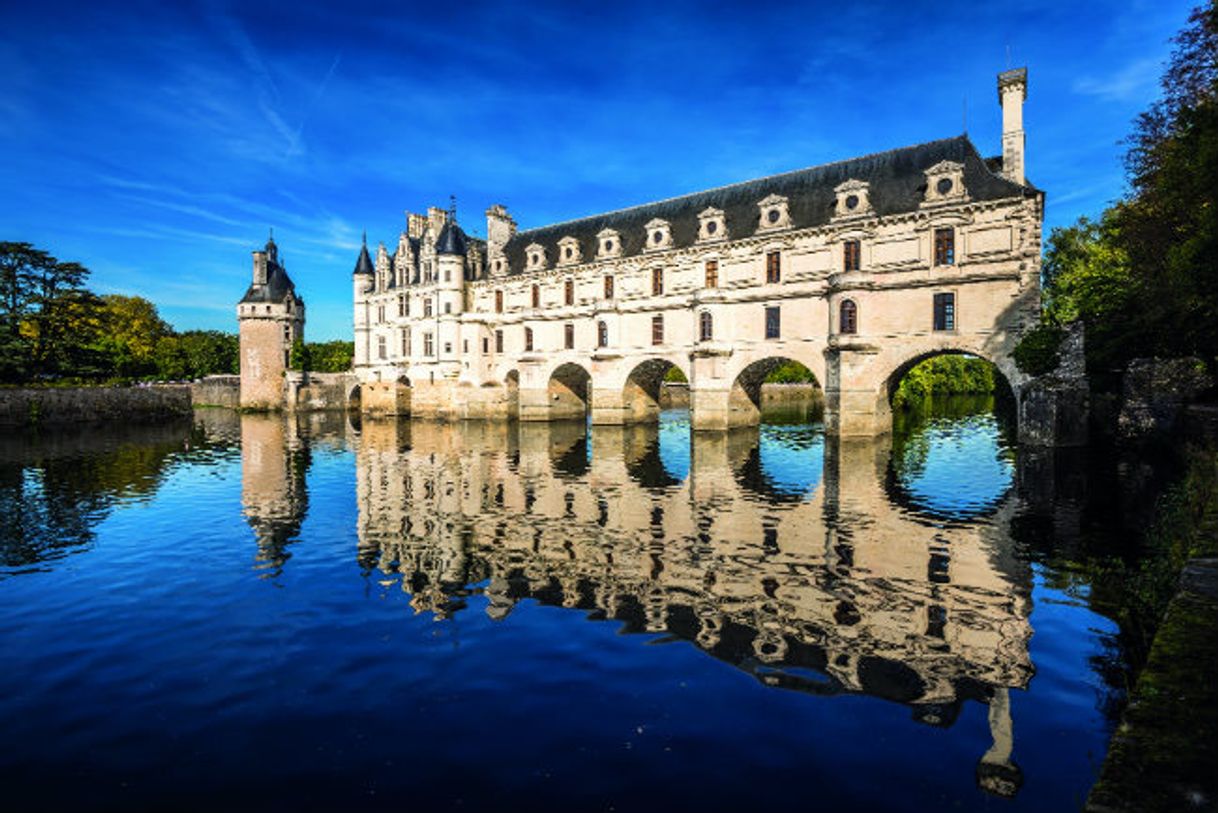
(157, 142)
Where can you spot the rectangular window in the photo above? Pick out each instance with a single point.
(706, 327)
(851, 254)
(608, 287)
(568, 292)
(406, 342)
(498, 341)
(945, 246)
(528, 340)
(773, 267)
(448, 307)
(381, 351)
(536, 296)
(465, 347)
(486, 345)
(448, 348)
(657, 281)
(773, 322)
(380, 314)
(569, 336)
(657, 330)
(448, 274)
(429, 347)
(498, 301)
(712, 273)
(427, 307)
(945, 311)
(403, 308)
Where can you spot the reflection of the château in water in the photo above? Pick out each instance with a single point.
(838, 589)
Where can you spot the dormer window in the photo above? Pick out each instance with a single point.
(853, 199)
(774, 213)
(712, 225)
(608, 244)
(536, 256)
(568, 251)
(659, 235)
(945, 184)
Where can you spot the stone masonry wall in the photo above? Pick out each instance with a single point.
(66, 405)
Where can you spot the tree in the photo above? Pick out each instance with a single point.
(1169, 225)
(299, 358)
(132, 328)
(331, 357)
(20, 267)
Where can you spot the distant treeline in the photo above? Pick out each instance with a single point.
(944, 375)
(53, 329)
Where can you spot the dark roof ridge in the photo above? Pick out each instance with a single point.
(765, 178)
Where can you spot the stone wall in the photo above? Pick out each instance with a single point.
(67, 405)
(320, 392)
(217, 390)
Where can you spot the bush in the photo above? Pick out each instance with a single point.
(1039, 351)
(945, 375)
(790, 372)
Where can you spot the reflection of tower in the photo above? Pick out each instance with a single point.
(274, 462)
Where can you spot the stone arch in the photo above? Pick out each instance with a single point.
(641, 389)
(404, 380)
(1006, 376)
(569, 391)
(746, 398)
(354, 399)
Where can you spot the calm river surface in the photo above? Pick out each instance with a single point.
(251, 612)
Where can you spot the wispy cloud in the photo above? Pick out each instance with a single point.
(1132, 81)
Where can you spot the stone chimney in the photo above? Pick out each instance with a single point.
(415, 225)
(499, 227)
(260, 268)
(436, 218)
(1012, 91)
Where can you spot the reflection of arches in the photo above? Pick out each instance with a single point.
(784, 464)
(641, 392)
(746, 388)
(511, 385)
(569, 391)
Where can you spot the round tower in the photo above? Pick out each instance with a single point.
(270, 318)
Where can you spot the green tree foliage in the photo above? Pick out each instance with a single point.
(331, 357)
(299, 358)
(1144, 277)
(1038, 352)
(790, 372)
(945, 375)
(675, 376)
(131, 329)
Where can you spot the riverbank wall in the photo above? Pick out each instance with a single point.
(37, 406)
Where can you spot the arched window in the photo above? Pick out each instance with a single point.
(706, 327)
(849, 319)
(602, 334)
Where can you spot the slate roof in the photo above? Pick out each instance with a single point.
(897, 185)
(364, 265)
(451, 240)
(279, 285)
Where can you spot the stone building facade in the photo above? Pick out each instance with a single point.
(856, 269)
(270, 317)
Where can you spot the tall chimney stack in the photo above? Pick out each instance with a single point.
(1012, 91)
(260, 268)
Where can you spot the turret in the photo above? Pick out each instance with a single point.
(500, 227)
(1012, 92)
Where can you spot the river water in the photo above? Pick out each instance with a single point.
(252, 612)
